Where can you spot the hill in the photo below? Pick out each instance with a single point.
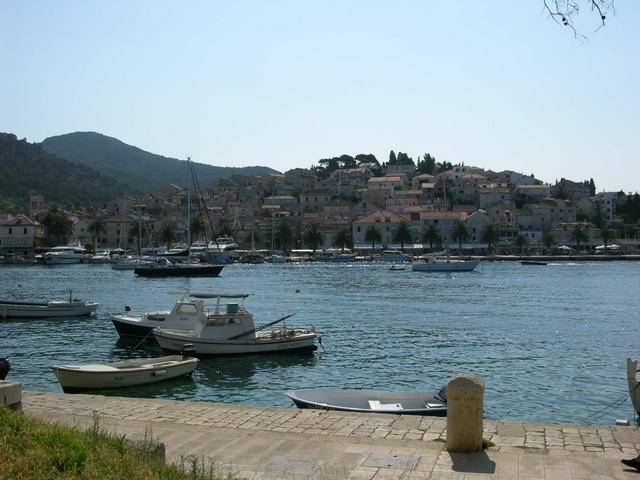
(132, 165)
(26, 169)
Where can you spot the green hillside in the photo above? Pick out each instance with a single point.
(26, 169)
(132, 165)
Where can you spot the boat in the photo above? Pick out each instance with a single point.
(74, 378)
(532, 262)
(164, 267)
(371, 401)
(432, 264)
(394, 256)
(632, 382)
(65, 255)
(277, 258)
(231, 330)
(5, 366)
(54, 308)
(396, 268)
(130, 262)
(186, 313)
(100, 257)
(222, 250)
(334, 256)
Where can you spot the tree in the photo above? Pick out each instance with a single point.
(490, 235)
(460, 233)
(564, 12)
(167, 234)
(404, 159)
(392, 158)
(372, 235)
(592, 187)
(57, 226)
(431, 235)
(521, 242)
(402, 234)
(426, 165)
(284, 235)
(313, 236)
(548, 240)
(579, 235)
(343, 238)
(606, 234)
(98, 227)
(197, 228)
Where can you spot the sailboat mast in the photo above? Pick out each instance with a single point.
(189, 211)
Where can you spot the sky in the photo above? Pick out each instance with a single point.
(492, 83)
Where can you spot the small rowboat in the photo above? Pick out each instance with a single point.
(74, 378)
(25, 309)
(532, 262)
(632, 382)
(371, 401)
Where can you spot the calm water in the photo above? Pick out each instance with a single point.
(550, 342)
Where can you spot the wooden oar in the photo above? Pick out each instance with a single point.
(261, 327)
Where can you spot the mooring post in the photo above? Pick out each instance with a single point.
(465, 406)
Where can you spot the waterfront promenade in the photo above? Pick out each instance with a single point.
(266, 443)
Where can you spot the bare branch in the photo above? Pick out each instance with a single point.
(563, 12)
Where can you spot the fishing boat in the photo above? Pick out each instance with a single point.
(632, 382)
(54, 308)
(188, 311)
(231, 330)
(74, 378)
(432, 264)
(371, 401)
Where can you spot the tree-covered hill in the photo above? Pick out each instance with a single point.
(132, 165)
(25, 169)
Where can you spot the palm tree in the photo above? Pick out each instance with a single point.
(490, 235)
(579, 235)
(167, 234)
(548, 240)
(313, 236)
(521, 242)
(343, 238)
(431, 235)
(460, 233)
(402, 234)
(98, 227)
(197, 228)
(57, 226)
(284, 235)
(606, 234)
(372, 235)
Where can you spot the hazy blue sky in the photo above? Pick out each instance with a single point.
(492, 83)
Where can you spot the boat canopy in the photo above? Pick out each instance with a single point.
(211, 294)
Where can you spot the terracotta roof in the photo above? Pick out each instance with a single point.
(381, 216)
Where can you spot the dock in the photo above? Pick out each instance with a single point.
(269, 443)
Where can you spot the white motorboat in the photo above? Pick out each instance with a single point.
(29, 309)
(231, 330)
(73, 378)
(100, 257)
(64, 255)
(432, 264)
(371, 401)
(634, 386)
(129, 262)
(222, 250)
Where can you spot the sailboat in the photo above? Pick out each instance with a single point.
(164, 267)
(433, 264)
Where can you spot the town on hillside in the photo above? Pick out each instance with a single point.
(349, 203)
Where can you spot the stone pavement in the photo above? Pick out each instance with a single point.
(265, 443)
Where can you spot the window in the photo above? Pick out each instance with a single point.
(358, 229)
(10, 231)
(188, 309)
(25, 230)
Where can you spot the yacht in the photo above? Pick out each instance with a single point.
(67, 254)
(222, 250)
(432, 264)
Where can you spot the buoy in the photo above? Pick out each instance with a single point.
(19, 285)
(297, 290)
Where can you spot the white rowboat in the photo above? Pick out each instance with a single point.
(123, 374)
(26, 309)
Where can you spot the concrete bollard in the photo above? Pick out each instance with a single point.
(11, 395)
(465, 396)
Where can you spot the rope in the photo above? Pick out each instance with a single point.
(599, 413)
(143, 339)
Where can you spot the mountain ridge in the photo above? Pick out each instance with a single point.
(132, 165)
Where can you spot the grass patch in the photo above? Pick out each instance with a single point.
(32, 448)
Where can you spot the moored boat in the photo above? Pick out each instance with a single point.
(632, 382)
(65, 255)
(55, 308)
(432, 264)
(371, 401)
(231, 330)
(129, 373)
(532, 262)
(5, 366)
(165, 268)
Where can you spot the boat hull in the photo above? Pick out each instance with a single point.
(179, 271)
(130, 328)
(173, 342)
(632, 382)
(446, 266)
(55, 260)
(370, 401)
(72, 379)
(47, 309)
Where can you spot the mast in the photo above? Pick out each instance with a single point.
(189, 212)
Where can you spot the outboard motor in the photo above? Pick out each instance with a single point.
(5, 366)
(188, 350)
(442, 394)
